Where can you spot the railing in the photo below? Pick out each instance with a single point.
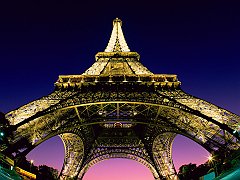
(156, 79)
(24, 173)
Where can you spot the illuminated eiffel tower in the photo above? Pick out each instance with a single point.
(119, 109)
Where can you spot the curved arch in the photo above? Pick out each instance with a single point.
(188, 154)
(158, 115)
(74, 152)
(49, 153)
(30, 147)
(162, 153)
(73, 148)
(155, 101)
(207, 141)
(134, 157)
(196, 140)
(152, 97)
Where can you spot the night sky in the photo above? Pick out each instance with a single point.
(197, 40)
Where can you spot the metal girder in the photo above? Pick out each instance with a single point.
(219, 114)
(30, 109)
(219, 118)
(137, 153)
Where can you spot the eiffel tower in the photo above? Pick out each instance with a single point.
(119, 109)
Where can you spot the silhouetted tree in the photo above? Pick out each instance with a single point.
(42, 172)
(28, 166)
(47, 173)
(185, 171)
(201, 170)
(192, 172)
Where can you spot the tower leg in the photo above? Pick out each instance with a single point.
(74, 151)
(162, 154)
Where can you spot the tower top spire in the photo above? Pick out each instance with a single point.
(117, 20)
(117, 64)
(117, 42)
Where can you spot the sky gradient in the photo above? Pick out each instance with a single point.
(198, 41)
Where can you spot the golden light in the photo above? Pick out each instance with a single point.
(210, 158)
(31, 161)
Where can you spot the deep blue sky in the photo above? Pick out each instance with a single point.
(197, 40)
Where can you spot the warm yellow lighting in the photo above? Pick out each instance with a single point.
(31, 161)
(210, 158)
(117, 41)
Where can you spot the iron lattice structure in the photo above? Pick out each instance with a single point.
(119, 109)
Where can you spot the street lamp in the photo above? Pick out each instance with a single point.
(31, 162)
(212, 160)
